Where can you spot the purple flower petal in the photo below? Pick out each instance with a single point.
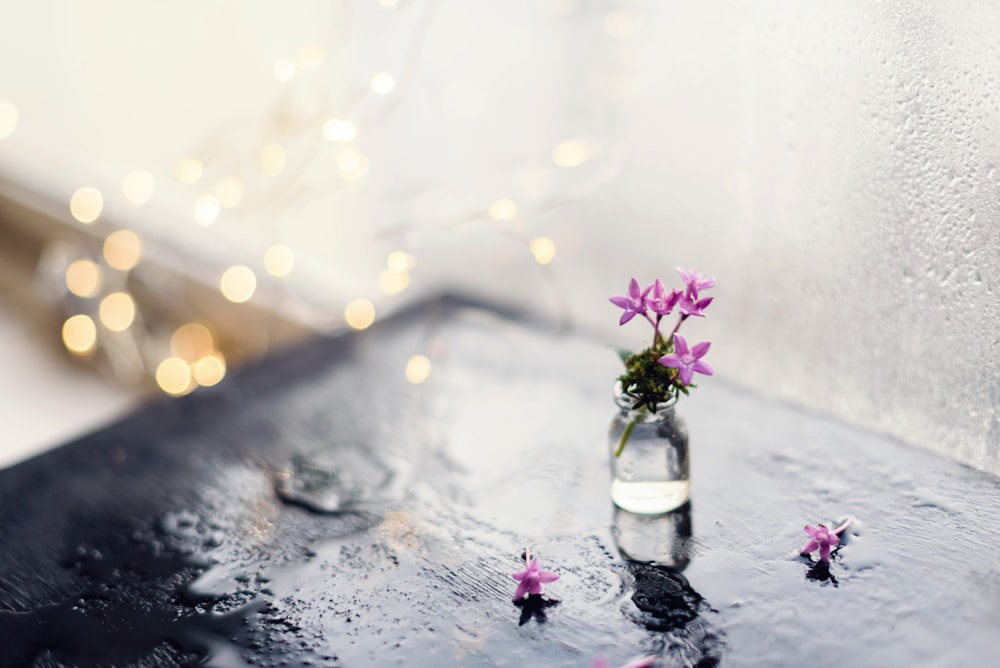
(620, 302)
(634, 291)
(671, 360)
(703, 368)
(809, 547)
(824, 552)
(522, 589)
(686, 374)
(547, 576)
(681, 345)
(699, 349)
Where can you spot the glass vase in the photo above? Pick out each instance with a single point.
(650, 474)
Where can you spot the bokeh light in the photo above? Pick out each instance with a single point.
(209, 370)
(192, 341)
(272, 159)
(229, 192)
(418, 368)
(279, 260)
(621, 24)
(572, 153)
(79, 334)
(173, 375)
(206, 210)
(339, 130)
(117, 311)
(238, 283)
(543, 248)
(382, 83)
(122, 250)
(399, 261)
(138, 187)
(359, 313)
(393, 282)
(8, 119)
(309, 57)
(503, 209)
(353, 164)
(284, 69)
(86, 204)
(188, 170)
(83, 278)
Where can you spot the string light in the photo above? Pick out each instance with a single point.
(359, 313)
(194, 359)
(8, 119)
(86, 204)
(138, 187)
(122, 250)
(503, 209)
(279, 260)
(418, 368)
(117, 311)
(238, 283)
(83, 278)
(79, 334)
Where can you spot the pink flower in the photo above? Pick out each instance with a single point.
(634, 304)
(532, 577)
(686, 360)
(688, 306)
(822, 538)
(695, 282)
(659, 301)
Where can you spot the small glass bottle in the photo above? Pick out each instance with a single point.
(650, 475)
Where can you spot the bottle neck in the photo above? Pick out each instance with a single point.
(662, 411)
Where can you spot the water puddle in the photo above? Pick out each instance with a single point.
(342, 478)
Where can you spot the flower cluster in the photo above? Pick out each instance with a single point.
(659, 374)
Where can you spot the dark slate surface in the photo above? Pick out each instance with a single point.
(319, 510)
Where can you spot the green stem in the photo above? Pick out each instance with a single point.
(627, 431)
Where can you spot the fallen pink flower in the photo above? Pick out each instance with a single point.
(532, 577)
(823, 539)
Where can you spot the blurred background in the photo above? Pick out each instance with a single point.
(186, 186)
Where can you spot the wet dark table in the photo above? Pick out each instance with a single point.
(318, 509)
